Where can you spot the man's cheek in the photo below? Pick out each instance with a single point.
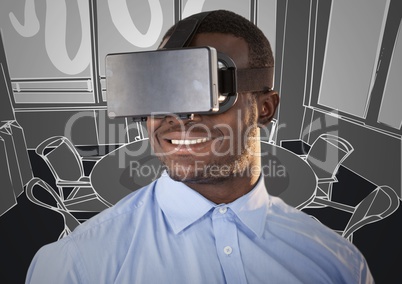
(152, 125)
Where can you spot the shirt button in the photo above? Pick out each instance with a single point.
(223, 210)
(227, 250)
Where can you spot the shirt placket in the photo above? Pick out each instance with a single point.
(227, 245)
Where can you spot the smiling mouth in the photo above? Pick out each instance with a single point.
(189, 141)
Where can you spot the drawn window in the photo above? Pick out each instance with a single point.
(390, 113)
(353, 43)
(130, 26)
(266, 21)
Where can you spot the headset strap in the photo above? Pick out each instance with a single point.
(185, 31)
(234, 80)
(255, 79)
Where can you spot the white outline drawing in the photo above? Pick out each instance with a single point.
(70, 222)
(379, 204)
(84, 95)
(325, 157)
(67, 167)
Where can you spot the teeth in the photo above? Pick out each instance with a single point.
(189, 142)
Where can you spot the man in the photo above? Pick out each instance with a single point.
(209, 219)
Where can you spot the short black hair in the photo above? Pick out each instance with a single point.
(227, 22)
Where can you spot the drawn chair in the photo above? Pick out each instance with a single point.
(66, 165)
(325, 156)
(33, 186)
(269, 133)
(376, 206)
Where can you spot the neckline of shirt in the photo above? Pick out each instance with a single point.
(183, 206)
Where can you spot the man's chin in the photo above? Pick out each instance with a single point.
(194, 179)
(198, 175)
(183, 176)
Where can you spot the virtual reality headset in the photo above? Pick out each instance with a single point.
(178, 80)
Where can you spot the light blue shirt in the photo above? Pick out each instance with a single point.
(168, 233)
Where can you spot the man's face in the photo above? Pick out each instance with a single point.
(210, 148)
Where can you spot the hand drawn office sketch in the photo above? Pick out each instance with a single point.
(338, 66)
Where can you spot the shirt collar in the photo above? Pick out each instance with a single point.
(183, 206)
(252, 208)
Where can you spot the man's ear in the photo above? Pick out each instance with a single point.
(267, 104)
